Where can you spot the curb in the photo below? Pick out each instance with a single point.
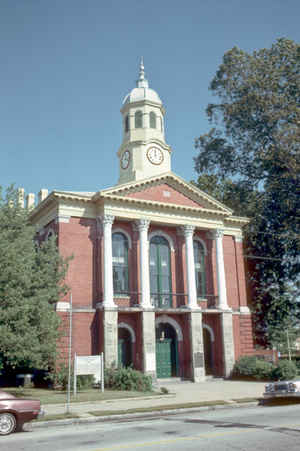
(128, 416)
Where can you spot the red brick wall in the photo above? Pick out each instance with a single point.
(240, 271)
(230, 272)
(243, 335)
(85, 333)
(78, 238)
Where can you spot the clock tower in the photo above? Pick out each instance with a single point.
(143, 152)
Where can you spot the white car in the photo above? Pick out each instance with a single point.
(282, 389)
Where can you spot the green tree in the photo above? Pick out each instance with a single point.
(31, 282)
(250, 160)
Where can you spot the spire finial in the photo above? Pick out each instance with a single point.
(142, 82)
(142, 70)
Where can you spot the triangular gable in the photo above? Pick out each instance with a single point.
(167, 188)
(166, 194)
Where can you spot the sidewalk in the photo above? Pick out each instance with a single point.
(180, 392)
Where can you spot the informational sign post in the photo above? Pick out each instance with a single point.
(91, 364)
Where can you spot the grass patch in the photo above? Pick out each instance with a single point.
(48, 396)
(100, 413)
(241, 400)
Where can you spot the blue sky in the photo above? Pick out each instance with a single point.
(66, 66)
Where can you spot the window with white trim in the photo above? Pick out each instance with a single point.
(120, 263)
(200, 272)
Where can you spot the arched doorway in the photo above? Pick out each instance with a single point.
(124, 347)
(166, 351)
(160, 272)
(208, 357)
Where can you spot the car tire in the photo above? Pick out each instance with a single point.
(8, 423)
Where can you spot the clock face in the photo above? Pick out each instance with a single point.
(125, 159)
(155, 155)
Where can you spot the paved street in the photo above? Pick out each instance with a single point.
(275, 428)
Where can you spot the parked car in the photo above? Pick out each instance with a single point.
(14, 412)
(282, 389)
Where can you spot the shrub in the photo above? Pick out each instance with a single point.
(252, 367)
(164, 390)
(284, 370)
(127, 379)
(60, 376)
(85, 381)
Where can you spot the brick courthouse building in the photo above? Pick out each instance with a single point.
(157, 277)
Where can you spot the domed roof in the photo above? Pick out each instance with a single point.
(142, 91)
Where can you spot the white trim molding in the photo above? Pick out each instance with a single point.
(120, 230)
(244, 310)
(130, 330)
(62, 306)
(62, 218)
(211, 332)
(197, 238)
(164, 235)
(165, 319)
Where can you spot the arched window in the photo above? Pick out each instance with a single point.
(199, 257)
(127, 123)
(120, 263)
(152, 120)
(138, 119)
(160, 272)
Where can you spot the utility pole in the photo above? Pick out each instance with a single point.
(288, 344)
(70, 357)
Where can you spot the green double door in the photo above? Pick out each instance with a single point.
(164, 358)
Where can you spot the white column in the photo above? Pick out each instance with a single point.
(108, 295)
(222, 296)
(190, 266)
(142, 226)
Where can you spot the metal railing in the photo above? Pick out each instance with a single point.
(164, 300)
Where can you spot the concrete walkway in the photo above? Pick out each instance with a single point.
(179, 393)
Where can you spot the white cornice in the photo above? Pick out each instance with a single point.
(175, 181)
(163, 205)
(130, 144)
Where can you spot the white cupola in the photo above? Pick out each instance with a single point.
(143, 152)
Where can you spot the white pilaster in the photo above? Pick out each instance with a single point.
(188, 231)
(142, 226)
(108, 295)
(222, 295)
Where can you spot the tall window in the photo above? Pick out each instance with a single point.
(160, 272)
(199, 257)
(138, 119)
(152, 120)
(127, 123)
(120, 263)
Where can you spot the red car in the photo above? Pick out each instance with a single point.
(14, 412)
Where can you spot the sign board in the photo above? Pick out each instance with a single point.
(91, 364)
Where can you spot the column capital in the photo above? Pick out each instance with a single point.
(106, 219)
(187, 230)
(238, 238)
(142, 225)
(62, 218)
(214, 234)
